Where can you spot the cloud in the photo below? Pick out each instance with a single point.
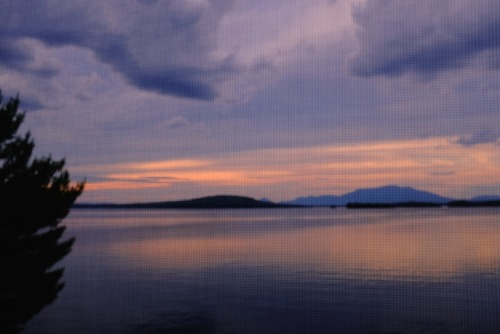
(173, 123)
(423, 36)
(11, 55)
(482, 137)
(435, 164)
(31, 104)
(162, 46)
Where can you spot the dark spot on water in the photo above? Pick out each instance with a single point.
(419, 328)
(177, 322)
(434, 328)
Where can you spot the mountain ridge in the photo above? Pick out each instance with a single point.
(485, 198)
(389, 194)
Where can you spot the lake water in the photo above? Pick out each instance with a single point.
(279, 271)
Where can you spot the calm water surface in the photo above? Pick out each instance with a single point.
(279, 271)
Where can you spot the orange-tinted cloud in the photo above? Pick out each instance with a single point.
(434, 164)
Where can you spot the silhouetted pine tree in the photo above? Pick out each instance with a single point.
(35, 195)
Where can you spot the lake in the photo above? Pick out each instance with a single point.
(279, 271)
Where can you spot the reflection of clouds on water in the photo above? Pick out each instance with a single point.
(431, 246)
(280, 271)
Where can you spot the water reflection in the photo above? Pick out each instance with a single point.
(280, 271)
(405, 246)
(177, 322)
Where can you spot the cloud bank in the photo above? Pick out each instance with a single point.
(97, 79)
(161, 46)
(424, 36)
(482, 137)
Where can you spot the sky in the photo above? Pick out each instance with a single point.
(152, 100)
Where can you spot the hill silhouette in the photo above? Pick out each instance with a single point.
(210, 202)
(381, 197)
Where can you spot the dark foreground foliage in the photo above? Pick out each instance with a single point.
(35, 195)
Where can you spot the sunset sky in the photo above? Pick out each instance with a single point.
(154, 100)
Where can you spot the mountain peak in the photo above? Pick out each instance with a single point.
(389, 194)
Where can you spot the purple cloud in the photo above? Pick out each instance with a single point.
(423, 36)
(482, 137)
(161, 46)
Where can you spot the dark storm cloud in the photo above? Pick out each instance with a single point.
(162, 46)
(482, 137)
(11, 55)
(30, 104)
(424, 36)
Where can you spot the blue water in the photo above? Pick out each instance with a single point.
(279, 271)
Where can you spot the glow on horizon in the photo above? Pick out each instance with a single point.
(434, 164)
(165, 100)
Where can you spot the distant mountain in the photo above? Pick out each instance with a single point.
(211, 202)
(393, 205)
(387, 196)
(393, 194)
(485, 198)
(381, 195)
(323, 200)
(266, 200)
